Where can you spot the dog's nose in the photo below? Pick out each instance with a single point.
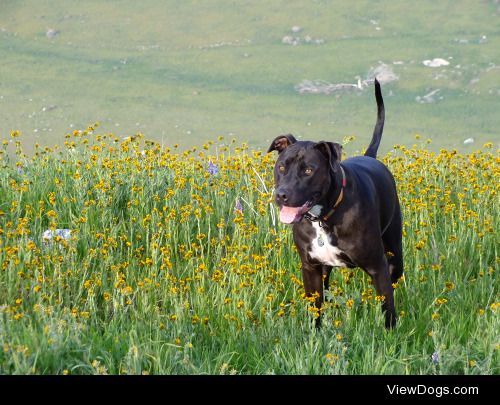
(281, 195)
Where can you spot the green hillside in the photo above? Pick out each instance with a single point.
(189, 71)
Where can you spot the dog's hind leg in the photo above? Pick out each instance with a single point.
(393, 247)
(382, 281)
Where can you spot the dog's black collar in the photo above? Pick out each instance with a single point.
(323, 219)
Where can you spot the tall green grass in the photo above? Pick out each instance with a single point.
(176, 265)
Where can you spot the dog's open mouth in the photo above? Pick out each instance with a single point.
(289, 215)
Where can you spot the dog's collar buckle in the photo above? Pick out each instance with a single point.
(311, 217)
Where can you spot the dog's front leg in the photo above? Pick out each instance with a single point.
(312, 276)
(326, 277)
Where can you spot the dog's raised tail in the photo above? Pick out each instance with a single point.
(379, 126)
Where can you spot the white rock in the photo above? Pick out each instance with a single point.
(429, 97)
(469, 141)
(436, 62)
(51, 33)
(383, 73)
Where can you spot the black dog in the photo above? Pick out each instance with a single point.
(343, 214)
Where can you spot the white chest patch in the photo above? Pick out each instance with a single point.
(322, 250)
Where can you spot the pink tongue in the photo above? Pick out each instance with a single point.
(288, 214)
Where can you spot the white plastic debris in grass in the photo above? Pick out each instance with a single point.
(49, 235)
(435, 357)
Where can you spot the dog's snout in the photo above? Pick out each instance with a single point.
(281, 195)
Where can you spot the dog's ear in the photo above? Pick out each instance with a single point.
(281, 143)
(332, 151)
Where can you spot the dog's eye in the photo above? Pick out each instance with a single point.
(281, 169)
(308, 171)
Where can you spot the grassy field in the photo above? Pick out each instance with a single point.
(175, 264)
(189, 71)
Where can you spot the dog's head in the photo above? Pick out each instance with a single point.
(303, 174)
